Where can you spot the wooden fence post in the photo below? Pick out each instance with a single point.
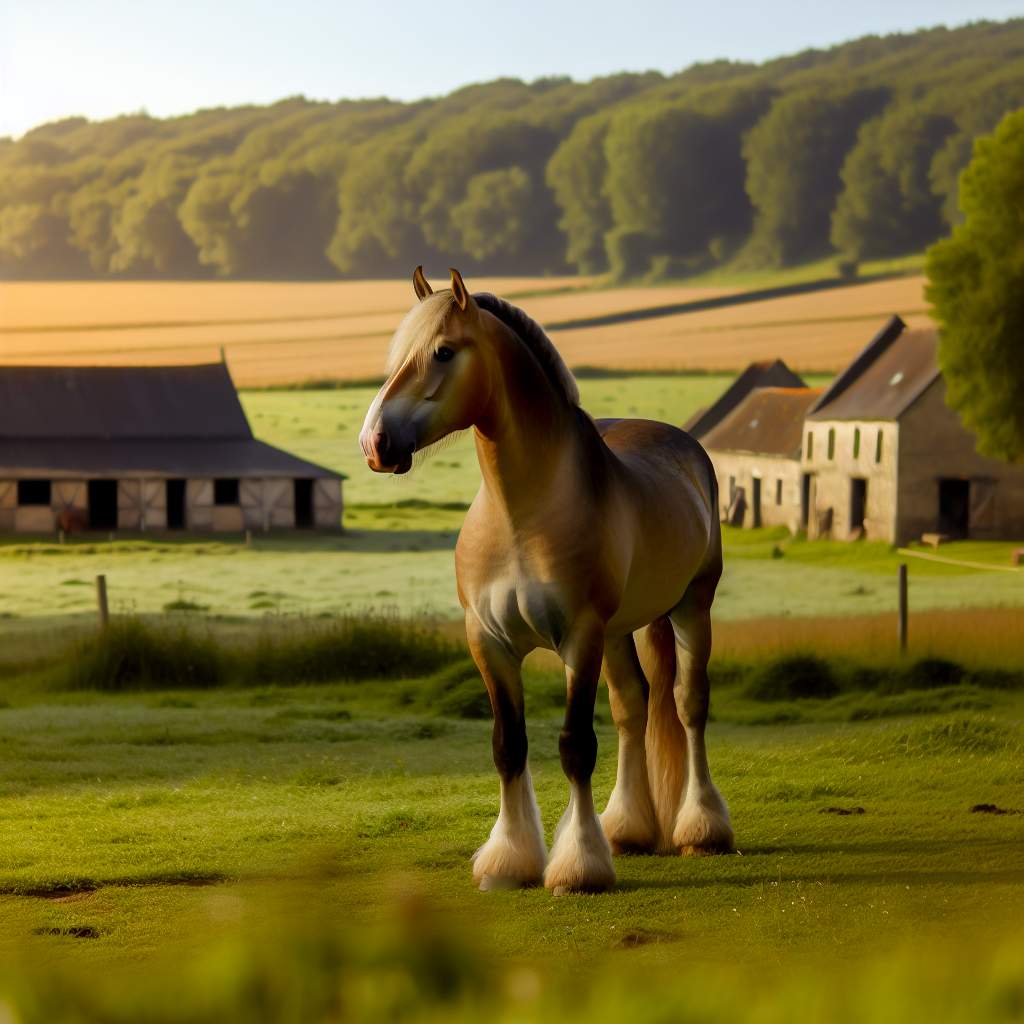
(903, 608)
(101, 601)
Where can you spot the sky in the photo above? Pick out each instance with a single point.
(100, 58)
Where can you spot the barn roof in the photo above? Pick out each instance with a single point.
(88, 459)
(125, 421)
(769, 421)
(125, 402)
(768, 373)
(888, 376)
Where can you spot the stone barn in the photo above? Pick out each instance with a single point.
(755, 449)
(146, 448)
(885, 457)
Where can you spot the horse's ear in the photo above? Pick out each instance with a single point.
(420, 284)
(459, 290)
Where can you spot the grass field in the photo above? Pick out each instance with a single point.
(276, 333)
(221, 845)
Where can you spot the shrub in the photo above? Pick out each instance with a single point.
(933, 674)
(793, 678)
(131, 655)
(368, 647)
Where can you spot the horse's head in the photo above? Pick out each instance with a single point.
(438, 379)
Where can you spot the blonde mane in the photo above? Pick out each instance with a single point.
(415, 336)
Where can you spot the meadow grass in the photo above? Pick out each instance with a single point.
(249, 843)
(401, 557)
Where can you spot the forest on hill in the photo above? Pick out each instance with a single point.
(855, 150)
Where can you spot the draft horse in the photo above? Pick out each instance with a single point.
(582, 533)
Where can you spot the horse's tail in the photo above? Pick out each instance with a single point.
(665, 740)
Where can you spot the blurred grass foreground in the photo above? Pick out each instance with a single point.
(416, 965)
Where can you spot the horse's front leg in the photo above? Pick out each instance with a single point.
(581, 859)
(514, 854)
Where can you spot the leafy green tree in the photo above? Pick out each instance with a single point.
(150, 239)
(887, 207)
(492, 219)
(794, 156)
(576, 175)
(675, 177)
(977, 288)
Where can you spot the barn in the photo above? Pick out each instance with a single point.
(877, 454)
(146, 448)
(756, 453)
(885, 457)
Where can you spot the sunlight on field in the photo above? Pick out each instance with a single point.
(278, 333)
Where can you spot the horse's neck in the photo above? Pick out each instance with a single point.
(525, 443)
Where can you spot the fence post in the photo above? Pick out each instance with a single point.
(101, 601)
(903, 608)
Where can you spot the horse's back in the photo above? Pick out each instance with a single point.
(648, 447)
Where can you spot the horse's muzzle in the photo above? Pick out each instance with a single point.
(383, 455)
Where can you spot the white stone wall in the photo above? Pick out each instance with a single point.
(831, 491)
(780, 505)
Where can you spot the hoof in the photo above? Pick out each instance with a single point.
(702, 827)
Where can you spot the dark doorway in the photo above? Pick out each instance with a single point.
(102, 504)
(805, 499)
(756, 504)
(954, 507)
(858, 503)
(304, 504)
(175, 504)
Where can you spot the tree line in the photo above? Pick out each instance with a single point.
(855, 150)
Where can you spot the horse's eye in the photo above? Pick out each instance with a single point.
(444, 354)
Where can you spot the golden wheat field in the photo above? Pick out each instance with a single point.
(287, 333)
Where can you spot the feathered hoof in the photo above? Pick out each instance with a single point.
(503, 864)
(702, 830)
(625, 837)
(581, 862)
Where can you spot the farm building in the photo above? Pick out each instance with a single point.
(882, 456)
(146, 448)
(756, 453)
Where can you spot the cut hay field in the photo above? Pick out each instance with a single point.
(285, 333)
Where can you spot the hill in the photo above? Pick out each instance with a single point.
(855, 149)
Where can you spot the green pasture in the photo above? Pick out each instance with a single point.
(323, 426)
(402, 557)
(396, 551)
(248, 831)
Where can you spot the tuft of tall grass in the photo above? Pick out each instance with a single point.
(133, 654)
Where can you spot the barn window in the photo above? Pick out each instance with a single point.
(856, 443)
(810, 445)
(878, 446)
(832, 443)
(225, 492)
(778, 491)
(34, 492)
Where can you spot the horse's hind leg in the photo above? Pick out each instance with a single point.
(702, 823)
(514, 854)
(628, 820)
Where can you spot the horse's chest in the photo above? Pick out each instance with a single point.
(525, 612)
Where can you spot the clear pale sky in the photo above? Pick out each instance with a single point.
(100, 58)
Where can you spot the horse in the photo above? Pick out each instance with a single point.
(582, 533)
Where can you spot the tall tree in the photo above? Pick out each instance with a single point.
(977, 288)
(887, 206)
(794, 156)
